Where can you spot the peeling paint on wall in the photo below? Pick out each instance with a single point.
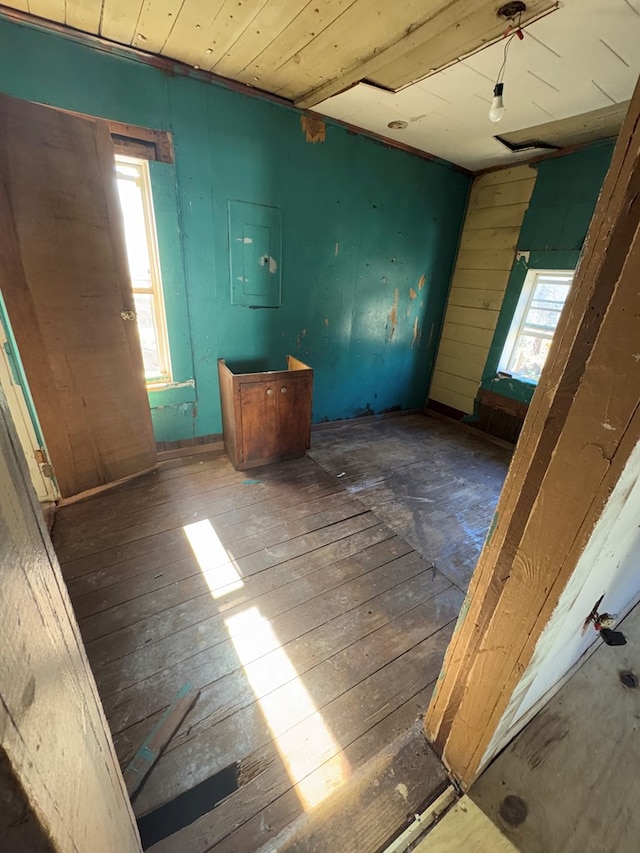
(326, 321)
(421, 282)
(300, 337)
(315, 130)
(416, 333)
(393, 315)
(273, 265)
(337, 248)
(433, 328)
(412, 293)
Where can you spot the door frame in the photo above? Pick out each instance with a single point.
(581, 428)
(25, 418)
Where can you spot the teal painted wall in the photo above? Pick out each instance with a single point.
(362, 224)
(553, 231)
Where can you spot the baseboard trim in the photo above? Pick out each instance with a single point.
(364, 419)
(193, 450)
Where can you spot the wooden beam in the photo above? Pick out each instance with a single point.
(582, 425)
(156, 741)
(465, 26)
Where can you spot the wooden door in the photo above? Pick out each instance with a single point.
(65, 281)
(259, 421)
(294, 416)
(59, 778)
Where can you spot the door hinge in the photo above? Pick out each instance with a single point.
(45, 466)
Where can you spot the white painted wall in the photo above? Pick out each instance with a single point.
(609, 566)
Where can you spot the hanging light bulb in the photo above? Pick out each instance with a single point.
(497, 106)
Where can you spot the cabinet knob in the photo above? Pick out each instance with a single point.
(269, 392)
(283, 390)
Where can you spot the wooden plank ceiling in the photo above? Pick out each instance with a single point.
(302, 51)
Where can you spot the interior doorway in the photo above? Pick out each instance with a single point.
(14, 385)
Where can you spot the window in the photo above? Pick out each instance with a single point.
(134, 188)
(534, 323)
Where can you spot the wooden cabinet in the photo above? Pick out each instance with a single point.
(266, 416)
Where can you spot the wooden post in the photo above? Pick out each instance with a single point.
(582, 425)
(60, 785)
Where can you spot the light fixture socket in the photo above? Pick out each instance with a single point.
(510, 10)
(498, 90)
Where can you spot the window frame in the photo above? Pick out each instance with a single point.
(156, 289)
(519, 318)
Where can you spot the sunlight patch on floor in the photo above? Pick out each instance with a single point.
(297, 727)
(218, 569)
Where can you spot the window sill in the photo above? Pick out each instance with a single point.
(167, 386)
(171, 393)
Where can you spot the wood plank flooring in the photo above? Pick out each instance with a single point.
(433, 483)
(313, 630)
(568, 782)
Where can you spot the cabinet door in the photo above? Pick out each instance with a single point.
(294, 415)
(259, 420)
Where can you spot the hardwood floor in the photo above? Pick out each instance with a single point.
(431, 481)
(314, 631)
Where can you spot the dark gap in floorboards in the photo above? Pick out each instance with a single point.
(187, 807)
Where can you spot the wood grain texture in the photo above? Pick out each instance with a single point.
(355, 610)
(306, 51)
(430, 481)
(266, 416)
(65, 280)
(497, 204)
(55, 747)
(118, 20)
(466, 828)
(574, 767)
(581, 426)
(432, 38)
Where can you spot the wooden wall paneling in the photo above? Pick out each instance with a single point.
(53, 10)
(232, 22)
(488, 300)
(348, 43)
(156, 21)
(65, 280)
(476, 26)
(313, 19)
(442, 36)
(497, 204)
(84, 15)
(267, 26)
(481, 319)
(119, 19)
(186, 40)
(503, 216)
(471, 335)
(485, 259)
(55, 746)
(582, 425)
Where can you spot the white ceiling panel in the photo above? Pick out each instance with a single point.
(582, 57)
